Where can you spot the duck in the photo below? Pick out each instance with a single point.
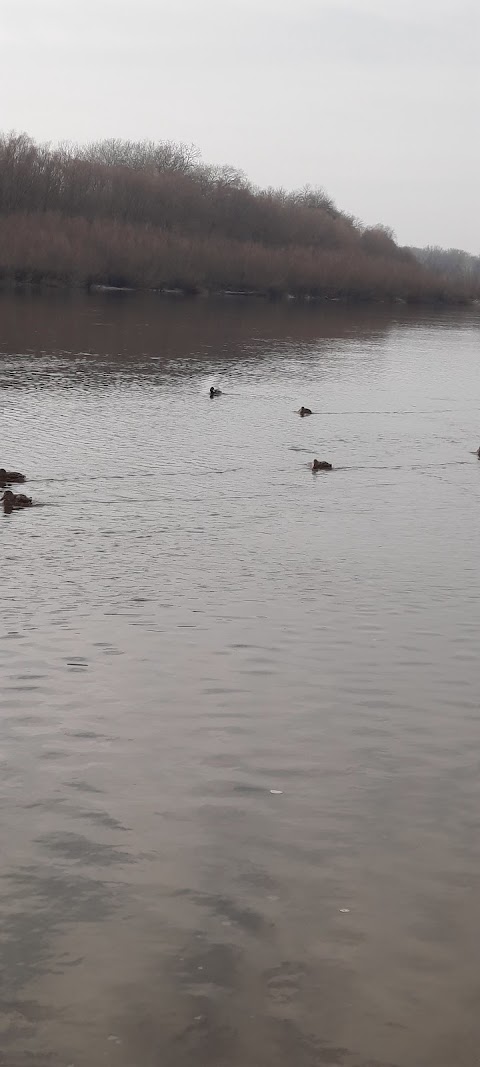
(321, 465)
(478, 453)
(15, 501)
(10, 476)
(305, 411)
(214, 392)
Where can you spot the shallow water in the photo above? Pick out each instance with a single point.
(240, 731)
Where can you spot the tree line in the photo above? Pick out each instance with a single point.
(130, 213)
(451, 262)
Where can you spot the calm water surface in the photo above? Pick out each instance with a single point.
(240, 740)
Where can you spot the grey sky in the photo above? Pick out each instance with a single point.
(377, 102)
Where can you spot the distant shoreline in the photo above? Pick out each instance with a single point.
(176, 293)
(152, 217)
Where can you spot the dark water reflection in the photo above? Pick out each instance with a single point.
(239, 736)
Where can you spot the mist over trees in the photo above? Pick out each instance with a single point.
(451, 262)
(148, 214)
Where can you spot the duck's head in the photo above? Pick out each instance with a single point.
(8, 497)
(3, 474)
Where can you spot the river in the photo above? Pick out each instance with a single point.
(240, 740)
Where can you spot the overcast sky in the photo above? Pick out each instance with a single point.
(377, 102)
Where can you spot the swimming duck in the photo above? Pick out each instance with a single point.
(478, 452)
(15, 501)
(10, 476)
(321, 465)
(305, 411)
(214, 392)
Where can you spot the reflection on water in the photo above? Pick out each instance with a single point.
(239, 728)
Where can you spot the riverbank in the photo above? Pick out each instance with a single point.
(12, 285)
(139, 215)
(50, 249)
